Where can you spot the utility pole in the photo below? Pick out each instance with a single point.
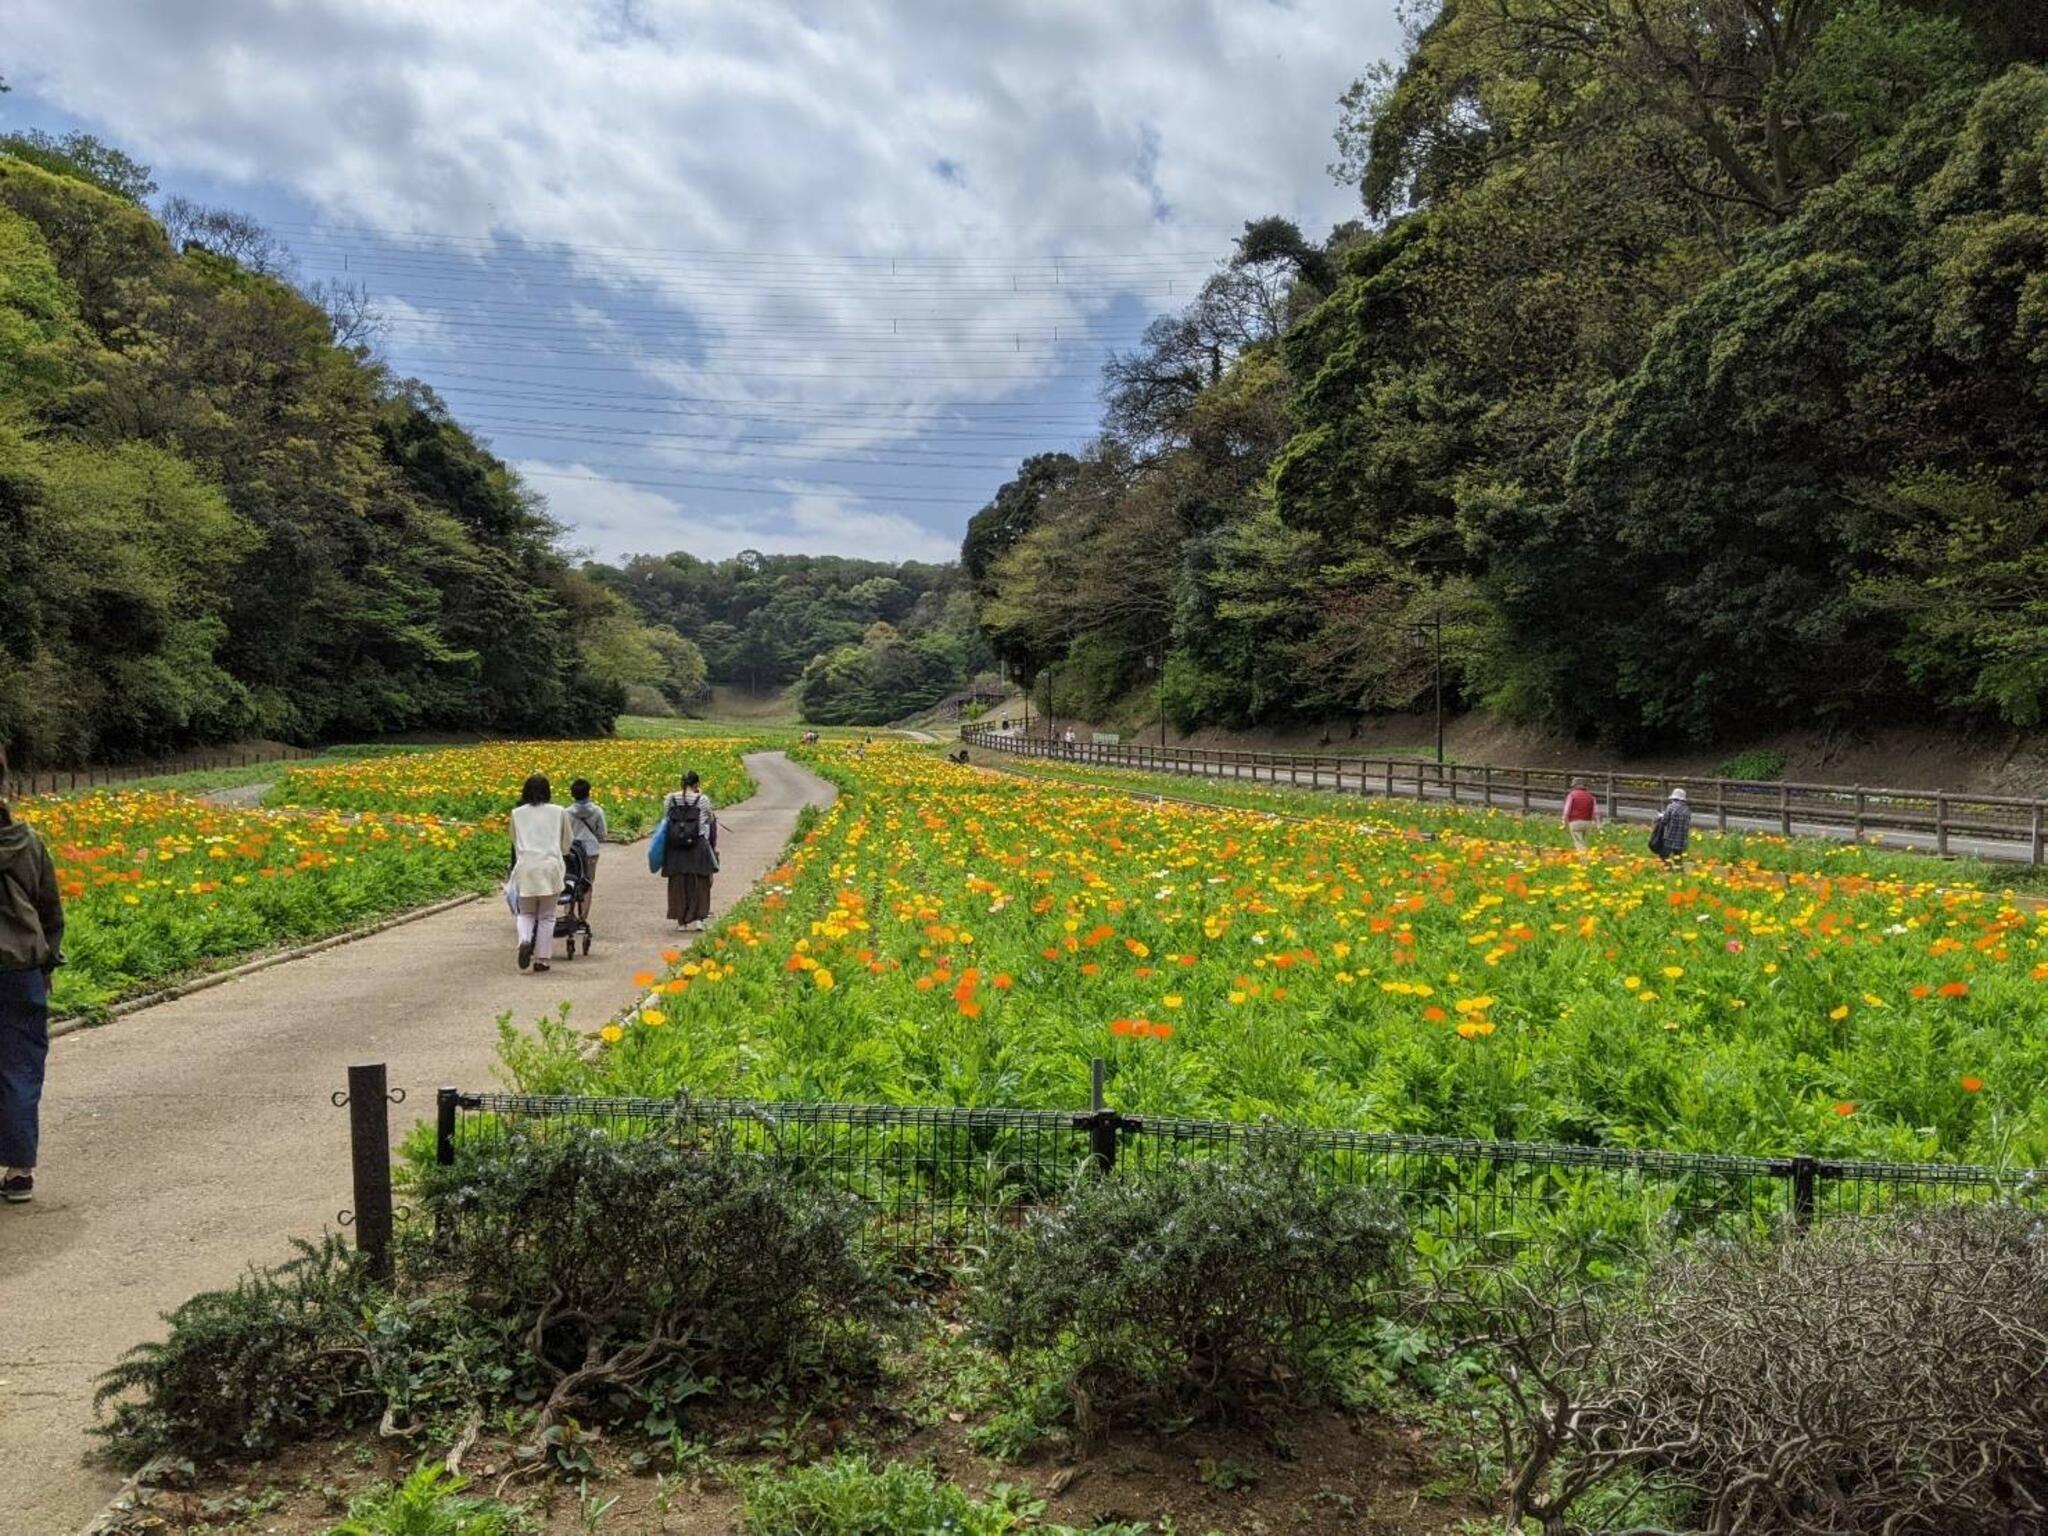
(1158, 666)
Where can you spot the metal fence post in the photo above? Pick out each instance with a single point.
(1785, 809)
(1941, 825)
(369, 1145)
(1101, 1122)
(1805, 1175)
(446, 1101)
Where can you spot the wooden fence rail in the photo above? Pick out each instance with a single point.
(2003, 827)
(58, 781)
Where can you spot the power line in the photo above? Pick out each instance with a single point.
(341, 233)
(1101, 293)
(784, 491)
(724, 447)
(797, 413)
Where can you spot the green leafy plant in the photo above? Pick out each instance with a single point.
(849, 1496)
(1758, 763)
(1193, 1288)
(430, 1502)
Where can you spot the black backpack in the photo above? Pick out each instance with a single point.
(685, 823)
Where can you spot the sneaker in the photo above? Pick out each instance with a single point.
(18, 1188)
(525, 953)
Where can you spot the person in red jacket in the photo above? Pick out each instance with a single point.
(1581, 812)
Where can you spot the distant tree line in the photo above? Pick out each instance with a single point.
(221, 516)
(862, 641)
(1689, 361)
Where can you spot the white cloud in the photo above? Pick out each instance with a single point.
(616, 518)
(747, 170)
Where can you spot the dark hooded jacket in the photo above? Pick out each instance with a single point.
(31, 916)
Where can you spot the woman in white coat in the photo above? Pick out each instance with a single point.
(541, 836)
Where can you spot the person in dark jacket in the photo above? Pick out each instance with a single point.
(31, 947)
(689, 856)
(1672, 831)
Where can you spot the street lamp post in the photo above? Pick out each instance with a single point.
(1432, 634)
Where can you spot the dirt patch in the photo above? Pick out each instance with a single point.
(1315, 1474)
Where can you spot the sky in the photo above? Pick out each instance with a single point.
(746, 274)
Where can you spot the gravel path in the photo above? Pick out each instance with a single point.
(184, 1141)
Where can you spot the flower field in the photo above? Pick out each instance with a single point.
(946, 936)
(628, 778)
(158, 883)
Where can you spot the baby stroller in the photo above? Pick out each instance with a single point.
(572, 907)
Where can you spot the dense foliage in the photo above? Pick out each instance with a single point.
(1691, 370)
(864, 641)
(1200, 1288)
(220, 516)
(618, 1276)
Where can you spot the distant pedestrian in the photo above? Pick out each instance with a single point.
(31, 949)
(1581, 813)
(690, 853)
(588, 831)
(542, 835)
(1673, 829)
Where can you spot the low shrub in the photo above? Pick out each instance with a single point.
(1192, 1288)
(848, 1496)
(1884, 1376)
(245, 1371)
(624, 1260)
(431, 1502)
(1757, 764)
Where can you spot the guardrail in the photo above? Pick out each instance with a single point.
(57, 781)
(2001, 827)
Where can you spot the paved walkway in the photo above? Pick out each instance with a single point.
(184, 1141)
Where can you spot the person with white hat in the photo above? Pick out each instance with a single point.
(1673, 828)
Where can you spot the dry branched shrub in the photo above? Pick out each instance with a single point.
(1865, 1378)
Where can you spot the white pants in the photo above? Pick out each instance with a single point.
(1579, 831)
(537, 923)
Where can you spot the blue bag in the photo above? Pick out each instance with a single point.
(657, 846)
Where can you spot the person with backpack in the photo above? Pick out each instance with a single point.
(689, 856)
(31, 948)
(1672, 829)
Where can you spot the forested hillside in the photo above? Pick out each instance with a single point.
(1689, 360)
(864, 641)
(221, 517)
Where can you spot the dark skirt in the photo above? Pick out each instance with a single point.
(689, 898)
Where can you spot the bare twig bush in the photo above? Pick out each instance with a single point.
(1866, 1378)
